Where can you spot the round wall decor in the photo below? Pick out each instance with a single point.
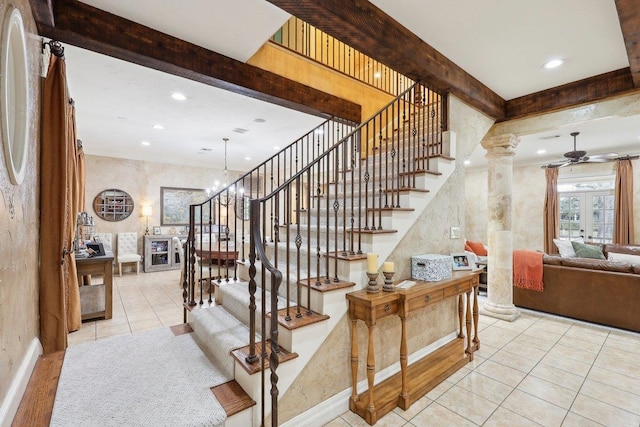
(14, 96)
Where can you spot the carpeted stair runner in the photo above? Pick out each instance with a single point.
(145, 379)
(235, 299)
(218, 332)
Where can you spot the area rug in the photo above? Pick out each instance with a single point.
(149, 378)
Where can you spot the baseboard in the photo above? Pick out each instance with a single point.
(339, 403)
(13, 397)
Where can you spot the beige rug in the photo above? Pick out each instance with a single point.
(149, 378)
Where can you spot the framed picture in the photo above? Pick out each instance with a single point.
(156, 230)
(174, 205)
(460, 261)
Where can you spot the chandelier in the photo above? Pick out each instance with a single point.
(226, 197)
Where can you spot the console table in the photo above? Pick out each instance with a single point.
(91, 296)
(415, 380)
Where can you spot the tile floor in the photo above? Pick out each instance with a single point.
(536, 371)
(140, 301)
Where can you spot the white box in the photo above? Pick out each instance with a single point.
(431, 267)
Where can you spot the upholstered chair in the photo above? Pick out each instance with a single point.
(105, 239)
(128, 251)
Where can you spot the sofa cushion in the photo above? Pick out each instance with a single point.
(597, 264)
(587, 251)
(477, 248)
(552, 259)
(631, 259)
(621, 249)
(565, 248)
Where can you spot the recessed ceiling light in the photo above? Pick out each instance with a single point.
(467, 162)
(319, 131)
(259, 120)
(239, 130)
(178, 96)
(554, 63)
(275, 147)
(158, 126)
(377, 74)
(541, 151)
(247, 158)
(146, 143)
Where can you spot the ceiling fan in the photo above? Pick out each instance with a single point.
(579, 156)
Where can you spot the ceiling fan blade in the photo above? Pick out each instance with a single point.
(559, 165)
(608, 156)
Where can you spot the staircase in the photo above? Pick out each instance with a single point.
(264, 288)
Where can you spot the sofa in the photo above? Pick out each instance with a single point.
(606, 291)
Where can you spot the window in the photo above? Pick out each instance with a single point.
(586, 209)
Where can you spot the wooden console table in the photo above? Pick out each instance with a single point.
(415, 380)
(96, 266)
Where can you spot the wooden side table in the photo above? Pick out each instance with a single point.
(97, 266)
(415, 380)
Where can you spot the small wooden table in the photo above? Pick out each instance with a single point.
(97, 266)
(415, 380)
(223, 256)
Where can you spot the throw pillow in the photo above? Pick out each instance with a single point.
(628, 258)
(467, 248)
(565, 249)
(587, 251)
(477, 248)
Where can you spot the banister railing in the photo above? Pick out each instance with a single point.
(307, 40)
(311, 210)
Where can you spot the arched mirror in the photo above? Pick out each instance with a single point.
(113, 205)
(14, 96)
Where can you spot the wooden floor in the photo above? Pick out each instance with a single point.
(36, 405)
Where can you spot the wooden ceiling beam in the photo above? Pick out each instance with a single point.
(90, 28)
(363, 26)
(629, 16)
(43, 12)
(584, 91)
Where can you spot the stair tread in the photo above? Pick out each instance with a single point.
(232, 397)
(326, 287)
(420, 172)
(306, 318)
(241, 354)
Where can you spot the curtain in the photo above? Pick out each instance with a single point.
(551, 210)
(623, 211)
(59, 293)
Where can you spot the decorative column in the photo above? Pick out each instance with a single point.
(499, 228)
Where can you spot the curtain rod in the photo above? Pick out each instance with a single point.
(55, 47)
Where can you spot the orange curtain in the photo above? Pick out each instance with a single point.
(59, 293)
(551, 210)
(623, 212)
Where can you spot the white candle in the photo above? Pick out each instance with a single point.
(372, 263)
(387, 267)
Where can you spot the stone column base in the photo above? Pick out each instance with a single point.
(507, 312)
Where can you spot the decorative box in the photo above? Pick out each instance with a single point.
(431, 267)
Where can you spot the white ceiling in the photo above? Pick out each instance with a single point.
(501, 43)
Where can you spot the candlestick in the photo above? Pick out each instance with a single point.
(387, 267)
(372, 263)
(388, 285)
(372, 287)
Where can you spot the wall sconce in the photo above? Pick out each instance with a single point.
(147, 212)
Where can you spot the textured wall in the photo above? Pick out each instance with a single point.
(142, 180)
(528, 201)
(19, 227)
(328, 372)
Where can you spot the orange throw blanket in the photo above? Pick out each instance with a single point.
(527, 270)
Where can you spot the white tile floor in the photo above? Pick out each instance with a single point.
(536, 371)
(140, 301)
